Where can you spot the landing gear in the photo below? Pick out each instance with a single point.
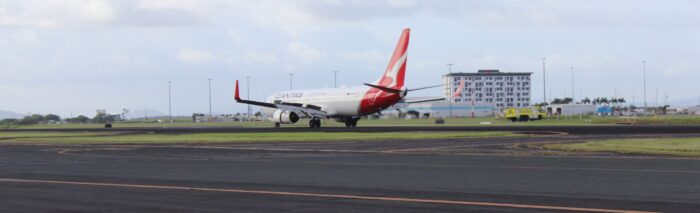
(351, 122)
(277, 125)
(315, 123)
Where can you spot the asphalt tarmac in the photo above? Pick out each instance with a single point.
(456, 175)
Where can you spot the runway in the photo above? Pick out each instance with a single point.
(465, 175)
(575, 130)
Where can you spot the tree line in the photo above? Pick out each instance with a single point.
(100, 118)
(595, 101)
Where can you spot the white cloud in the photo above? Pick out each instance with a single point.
(39, 13)
(256, 57)
(371, 56)
(303, 52)
(21, 36)
(189, 55)
(402, 3)
(97, 10)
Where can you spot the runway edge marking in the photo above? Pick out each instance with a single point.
(318, 195)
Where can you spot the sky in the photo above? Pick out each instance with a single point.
(76, 56)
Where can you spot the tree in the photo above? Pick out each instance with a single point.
(79, 119)
(33, 119)
(82, 119)
(621, 100)
(124, 113)
(195, 115)
(567, 100)
(52, 117)
(586, 100)
(664, 109)
(102, 117)
(9, 121)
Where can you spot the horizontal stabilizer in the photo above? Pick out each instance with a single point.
(385, 89)
(422, 88)
(425, 100)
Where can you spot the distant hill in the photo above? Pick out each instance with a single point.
(7, 114)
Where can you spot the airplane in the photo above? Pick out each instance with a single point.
(346, 105)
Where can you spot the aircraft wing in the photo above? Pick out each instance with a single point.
(422, 88)
(304, 110)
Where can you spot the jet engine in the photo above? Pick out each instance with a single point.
(285, 117)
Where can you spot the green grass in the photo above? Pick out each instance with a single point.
(574, 121)
(326, 123)
(651, 146)
(245, 137)
(16, 135)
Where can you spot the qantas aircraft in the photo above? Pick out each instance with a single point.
(343, 104)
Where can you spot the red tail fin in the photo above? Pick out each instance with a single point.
(237, 96)
(394, 75)
(459, 89)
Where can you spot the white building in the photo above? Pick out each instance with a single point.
(442, 109)
(694, 110)
(490, 87)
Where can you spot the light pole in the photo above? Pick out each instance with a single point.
(170, 108)
(573, 97)
(656, 98)
(573, 92)
(644, 70)
(449, 81)
(210, 117)
(335, 78)
(544, 80)
(247, 84)
(290, 80)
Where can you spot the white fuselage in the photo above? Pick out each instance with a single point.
(336, 102)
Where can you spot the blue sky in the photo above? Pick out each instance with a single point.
(75, 56)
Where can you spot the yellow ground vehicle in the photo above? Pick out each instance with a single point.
(524, 114)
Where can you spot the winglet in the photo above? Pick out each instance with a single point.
(237, 96)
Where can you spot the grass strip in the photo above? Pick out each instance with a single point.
(687, 147)
(253, 137)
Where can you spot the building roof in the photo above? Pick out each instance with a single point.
(488, 73)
